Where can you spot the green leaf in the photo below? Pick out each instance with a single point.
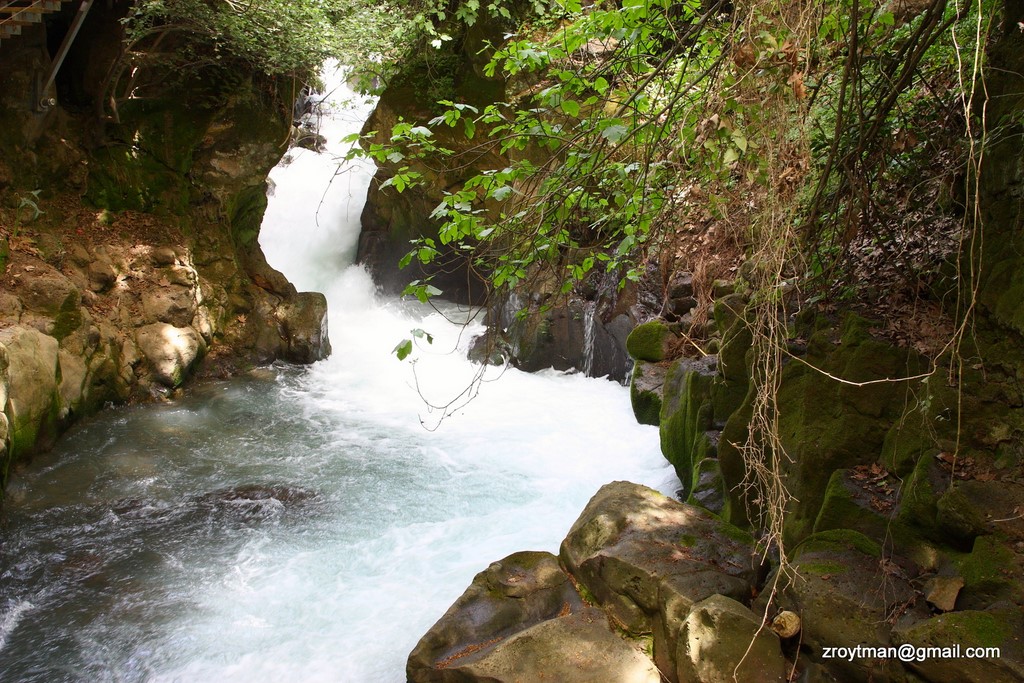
(501, 193)
(571, 108)
(403, 349)
(422, 334)
(614, 133)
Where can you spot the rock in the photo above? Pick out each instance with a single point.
(163, 256)
(941, 592)
(686, 416)
(180, 275)
(576, 648)
(30, 375)
(72, 381)
(786, 624)
(10, 307)
(992, 572)
(510, 596)
(722, 641)
(652, 341)
(845, 598)
(48, 292)
(101, 275)
(304, 324)
(1000, 628)
(171, 351)
(174, 305)
(680, 285)
(631, 544)
(645, 392)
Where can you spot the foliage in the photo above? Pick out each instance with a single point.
(893, 99)
(588, 169)
(800, 118)
(272, 36)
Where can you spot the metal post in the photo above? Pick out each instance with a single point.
(45, 99)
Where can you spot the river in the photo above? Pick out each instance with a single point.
(302, 524)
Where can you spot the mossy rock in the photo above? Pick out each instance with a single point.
(120, 179)
(684, 418)
(245, 212)
(838, 540)
(855, 505)
(991, 572)
(917, 501)
(843, 597)
(1000, 628)
(645, 386)
(736, 338)
(957, 518)
(652, 341)
(708, 487)
(845, 507)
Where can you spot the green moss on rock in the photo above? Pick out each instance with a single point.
(838, 540)
(645, 393)
(991, 572)
(683, 423)
(651, 341)
(957, 517)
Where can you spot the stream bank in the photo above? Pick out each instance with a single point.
(129, 242)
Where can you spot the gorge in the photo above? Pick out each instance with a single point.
(793, 229)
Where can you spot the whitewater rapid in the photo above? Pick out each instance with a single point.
(138, 551)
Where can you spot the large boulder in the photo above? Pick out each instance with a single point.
(647, 559)
(575, 648)
(523, 620)
(630, 541)
(846, 595)
(171, 351)
(303, 321)
(723, 641)
(28, 374)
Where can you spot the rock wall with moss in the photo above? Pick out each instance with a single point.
(129, 229)
(390, 218)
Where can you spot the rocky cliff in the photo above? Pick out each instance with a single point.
(129, 222)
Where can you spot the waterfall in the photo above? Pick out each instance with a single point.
(589, 332)
(301, 523)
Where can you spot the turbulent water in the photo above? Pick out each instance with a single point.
(301, 524)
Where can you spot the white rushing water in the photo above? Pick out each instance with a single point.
(301, 524)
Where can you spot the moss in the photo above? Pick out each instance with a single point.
(708, 489)
(736, 534)
(968, 628)
(957, 517)
(682, 422)
(649, 341)
(820, 568)
(917, 503)
(646, 403)
(839, 510)
(726, 398)
(838, 540)
(991, 573)
(121, 178)
(245, 214)
(688, 540)
(736, 338)
(730, 461)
